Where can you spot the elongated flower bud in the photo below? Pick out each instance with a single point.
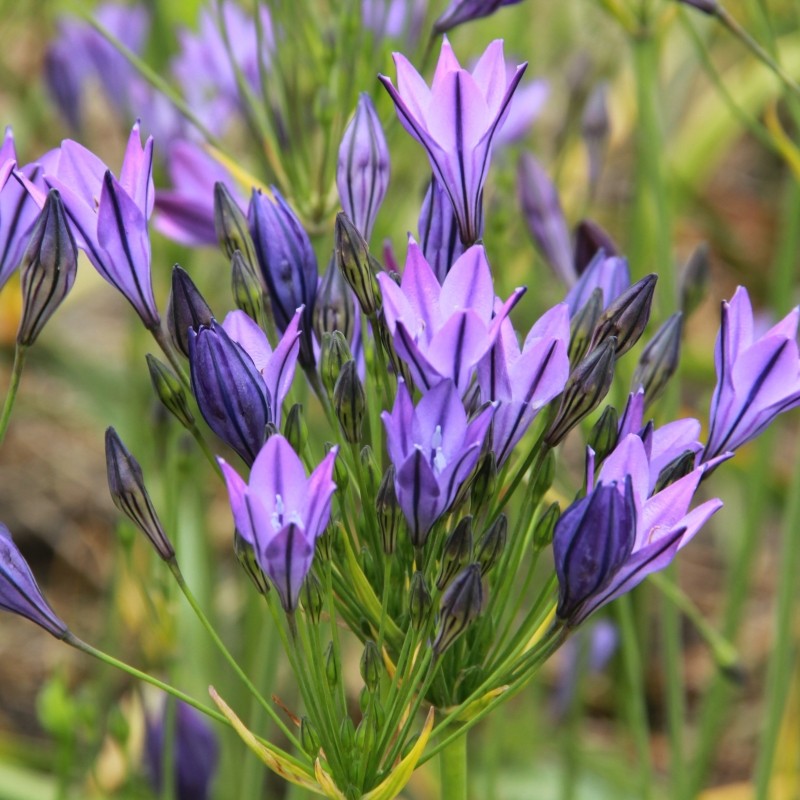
(590, 239)
(231, 227)
(659, 359)
(169, 391)
(595, 129)
(371, 666)
(626, 317)
(460, 606)
(309, 738)
(484, 481)
(295, 429)
(586, 387)
(439, 237)
(332, 672)
(390, 515)
(491, 545)
(362, 174)
(311, 597)
(352, 258)
(605, 433)
(126, 485)
(694, 279)
(678, 468)
(543, 532)
(457, 552)
(334, 307)
(246, 556)
(582, 325)
(419, 601)
(187, 310)
(48, 268)
(248, 293)
(710, 7)
(335, 354)
(350, 402)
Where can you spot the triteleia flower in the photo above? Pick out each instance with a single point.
(195, 752)
(363, 170)
(109, 216)
(287, 263)
(438, 231)
(455, 120)
(434, 449)
(19, 592)
(522, 381)
(609, 274)
(460, 11)
(609, 541)
(281, 513)
(443, 331)
(757, 378)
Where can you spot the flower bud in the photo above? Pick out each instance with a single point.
(390, 516)
(710, 7)
(605, 433)
(484, 481)
(582, 325)
(439, 237)
(678, 468)
(460, 605)
(419, 601)
(457, 552)
(366, 734)
(372, 472)
(626, 317)
(248, 293)
(347, 735)
(543, 479)
(334, 307)
(332, 675)
(341, 476)
(362, 174)
(491, 545)
(309, 738)
(126, 485)
(590, 239)
(350, 402)
(48, 268)
(595, 129)
(543, 532)
(187, 310)
(230, 225)
(246, 556)
(371, 666)
(659, 360)
(295, 429)
(694, 279)
(335, 354)
(311, 597)
(170, 391)
(585, 388)
(352, 258)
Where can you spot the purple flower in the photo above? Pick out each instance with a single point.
(395, 19)
(185, 212)
(195, 752)
(609, 541)
(455, 120)
(526, 105)
(19, 592)
(109, 216)
(281, 512)
(460, 11)
(522, 381)
(438, 231)
(757, 378)
(363, 170)
(443, 331)
(433, 448)
(609, 274)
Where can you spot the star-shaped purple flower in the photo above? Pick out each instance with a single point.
(757, 377)
(433, 448)
(280, 512)
(455, 120)
(443, 331)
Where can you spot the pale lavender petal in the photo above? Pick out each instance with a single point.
(421, 289)
(237, 489)
(441, 409)
(286, 561)
(279, 370)
(554, 323)
(418, 495)
(398, 425)
(278, 471)
(247, 333)
(628, 458)
(490, 75)
(665, 510)
(136, 174)
(457, 347)
(320, 489)
(81, 170)
(468, 285)
(633, 415)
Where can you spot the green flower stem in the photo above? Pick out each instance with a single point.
(169, 351)
(453, 770)
(206, 623)
(634, 694)
(330, 601)
(535, 457)
(205, 449)
(20, 351)
(784, 648)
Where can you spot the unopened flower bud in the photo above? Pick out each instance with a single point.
(371, 470)
(585, 388)
(295, 429)
(582, 325)
(352, 258)
(187, 310)
(311, 597)
(48, 268)
(230, 225)
(604, 434)
(335, 354)
(248, 293)
(334, 306)
(626, 317)
(472, 400)
(710, 7)
(659, 360)
(460, 606)
(543, 479)
(439, 237)
(170, 391)
(350, 402)
(340, 474)
(126, 485)
(309, 738)
(590, 239)
(371, 666)
(595, 129)
(332, 674)
(484, 481)
(246, 556)
(419, 601)
(546, 524)
(491, 545)
(366, 733)
(457, 552)
(694, 279)
(390, 516)
(678, 468)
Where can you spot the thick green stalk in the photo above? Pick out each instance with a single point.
(16, 373)
(453, 770)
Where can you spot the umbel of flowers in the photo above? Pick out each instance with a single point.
(433, 495)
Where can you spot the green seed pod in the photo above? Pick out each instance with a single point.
(419, 601)
(581, 328)
(371, 666)
(491, 545)
(335, 353)
(457, 552)
(543, 533)
(604, 434)
(169, 391)
(350, 402)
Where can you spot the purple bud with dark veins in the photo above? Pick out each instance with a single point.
(363, 170)
(582, 326)
(231, 226)
(354, 262)
(626, 317)
(130, 496)
(334, 307)
(590, 239)
(659, 359)
(438, 231)
(710, 7)
(461, 604)
(595, 129)
(48, 269)
(694, 279)
(187, 310)
(19, 592)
